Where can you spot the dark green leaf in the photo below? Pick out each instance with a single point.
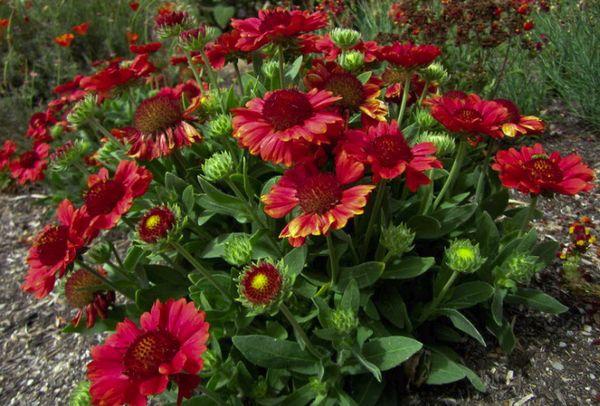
(388, 352)
(223, 14)
(351, 297)
(407, 268)
(497, 304)
(268, 352)
(444, 370)
(462, 323)
(425, 227)
(469, 294)
(536, 300)
(295, 260)
(365, 275)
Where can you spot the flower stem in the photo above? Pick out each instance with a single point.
(239, 77)
(454, 171)
(333, 259)
(199, 267)
(193, 68)
(299, 330)
(374, 215)
(426, 200)
(116, 254)
(281, 67)
(424, 93)
(405, 91)
(529, 215)
(436, 301)
(104, 280)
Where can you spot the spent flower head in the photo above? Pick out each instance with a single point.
(463, 256)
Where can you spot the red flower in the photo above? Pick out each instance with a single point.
(409, 56)
(260, 284)
(354, 95)
(39, 126)
(276, 26)
(134, 5)
(6, 153)
(395, 82)
(107, 199)
(87, 293)
(517, 124)
(55, 248)
(30, 166)
(70, 89)
(384, 148)
(156, 224)
(136, 362)
(132, 37)
(145, 48)
(81, 29)
(470, 114)
(224, 49)
(64, 40)
(280, 126)
(170, 18)
(322, 44)
(322, 201)
(528, 25)
(160, 125)
(4, 22)
(531, 170)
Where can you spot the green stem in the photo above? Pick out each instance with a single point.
(529, 215)
(193, 68)
(175, 266)
(199, 267)
(427, 196)
(333, 259)
(96, 124)
(239, 77)
(299, 330)
(454, 171)
(374, 215)
(104, 280)
(436, 301)
(405, 91)
(281, 67)
(210, 394)
(116, 254)
(179, 162)
(424, 93)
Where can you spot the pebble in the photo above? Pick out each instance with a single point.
(562, 344)
(558, 366)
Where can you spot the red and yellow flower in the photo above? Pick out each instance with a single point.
(276, 26)
(64, 40)
(322, 199)
(532, 170)
(261, 283)
(282, 126)
(39, 126)
(224, 49)
(55, 248)
(156, 224)
(81, 29)
(136, 362)
(409, 56)
(107, 199)
(354, 95)
(160, 125)
(384, 148)
(30, 165)
(88, 294)
(518, 125)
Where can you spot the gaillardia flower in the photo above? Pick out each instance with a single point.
(6, 152)
(160, 125)
(518, 125)
(384, 148)
(30, 165)
(39, 126)
(276, 26)
(136, 362)
(355, 96)
(156, 224)
(280, 126)
(55, 248)
(107, 199)
(532, 170)
(322, 200)
(409, 56)
(262, 286)
(88, 294)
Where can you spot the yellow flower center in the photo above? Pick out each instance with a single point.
(153, 221)
(465, 254)
(260, 281)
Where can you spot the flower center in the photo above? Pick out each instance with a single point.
(28, 159)
(468, 115)
(260, 281)
(80, 288)
(319, 193)
(286, 108)
(389, 150)
(148, 352)
(52, 244)
(465, 253)
(348, 87)
(542, 169)
(157, 114)
(153, 221)
(103, 197)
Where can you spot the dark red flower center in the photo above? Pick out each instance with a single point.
(103, 197)
(157, 114)
(261, 283)
(148, 352)
(286, 108)
(468, 115)
(28, 159)
(542, 169)
(389, 150)
(348, 87)
(51, 244)
(155, 224)
(319, 193)
(81, 287)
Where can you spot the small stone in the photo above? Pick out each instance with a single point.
(558, 366)
(587, 328)
(562, 344)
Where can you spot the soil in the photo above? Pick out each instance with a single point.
(556, 360)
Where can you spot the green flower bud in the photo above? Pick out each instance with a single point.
(344, 38)
(68, 154)
(260, 388)
(270, 68)
(444, 143)
(521, 267)
(100, 253)
(80, 396)
(351, 60)
(344, 320)
(434, 73)
(218, 166)
(463, 256)
(317, 386)
(197, 38)
(425, 120)
(56, 131)
(398, 239)
(220, 126)
(211, 104)
(237, 249)
(83, 111)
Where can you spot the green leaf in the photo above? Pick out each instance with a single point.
(469, 294)
(351, 297)
(473, 378)
(175, 183)
(496, 204)
(295, 260)
(392, 307)
(408, 268)
(425, 227)
(444, 370)
(462, 323)
(536, 300)
(223, 14)
(369, 366)
(188, 198)
(268, 352)
(134, 255)
(292, 73)
(388, 352)
(452, 217)
(364, 77)
(365, 275)
(300, 397)
(367, 391)
(497, 304)
(164, 275)
(546, 251)
(487, 235)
